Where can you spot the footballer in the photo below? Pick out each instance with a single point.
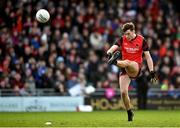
(126, 53)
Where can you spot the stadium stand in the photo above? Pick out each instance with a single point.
(69, 50)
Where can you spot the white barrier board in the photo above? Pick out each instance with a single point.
(40, 104)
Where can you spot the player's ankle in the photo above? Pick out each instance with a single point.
(129, 110)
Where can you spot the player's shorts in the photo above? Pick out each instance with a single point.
(123, 71)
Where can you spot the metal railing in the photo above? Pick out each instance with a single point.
(156, 92)
(153, 92)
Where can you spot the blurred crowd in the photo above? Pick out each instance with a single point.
(70, 50)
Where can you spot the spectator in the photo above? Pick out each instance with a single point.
(17, 84)
(59, 83)
(30, 85)
(77, 39)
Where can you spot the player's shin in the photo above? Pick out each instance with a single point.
(127, 105)
(126, 100)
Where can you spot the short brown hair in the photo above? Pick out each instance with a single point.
(128, 26)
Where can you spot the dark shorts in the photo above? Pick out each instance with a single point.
(123, 72)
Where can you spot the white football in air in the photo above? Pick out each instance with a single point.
(42, 15)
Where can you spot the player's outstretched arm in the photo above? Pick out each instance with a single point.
(112, 49)
(149, 60)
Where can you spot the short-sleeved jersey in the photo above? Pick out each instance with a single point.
(133, 49)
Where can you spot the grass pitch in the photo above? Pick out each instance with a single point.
(148, 118)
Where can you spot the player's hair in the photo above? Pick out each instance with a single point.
(128, 26)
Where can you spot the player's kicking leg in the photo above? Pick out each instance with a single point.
(132, 70)
(114, 58)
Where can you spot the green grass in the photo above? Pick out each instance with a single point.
(147, 118)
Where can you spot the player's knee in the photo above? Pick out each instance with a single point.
(127, 62)
(122, 64)
(124, 93)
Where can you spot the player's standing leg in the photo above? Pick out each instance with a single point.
(124, 82)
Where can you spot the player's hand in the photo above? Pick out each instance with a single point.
(153, 77)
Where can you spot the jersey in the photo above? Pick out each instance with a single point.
(132, 50)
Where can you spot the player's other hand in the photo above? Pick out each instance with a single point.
(153, 77)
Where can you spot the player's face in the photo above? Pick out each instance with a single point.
(129, 34)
